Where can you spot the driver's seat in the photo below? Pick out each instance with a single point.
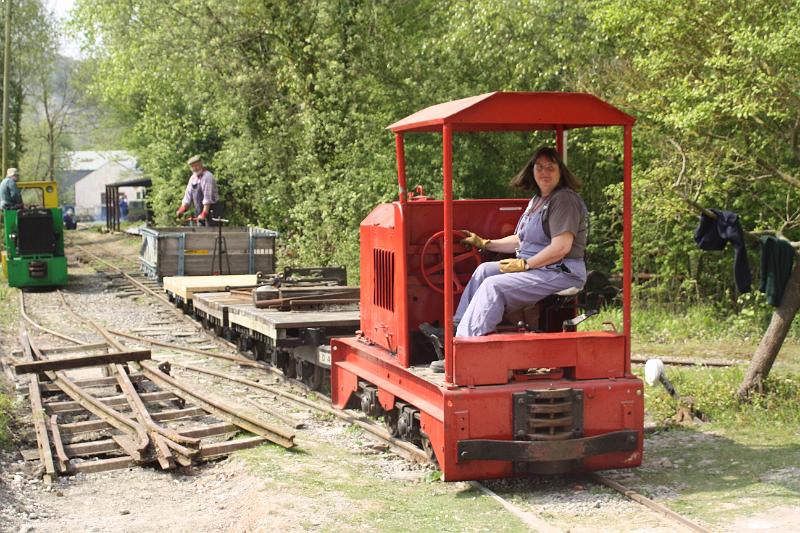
(545, 315)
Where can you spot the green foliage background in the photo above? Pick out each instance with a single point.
(289, 101)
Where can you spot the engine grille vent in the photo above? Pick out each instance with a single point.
(383, 276)
(35, 229)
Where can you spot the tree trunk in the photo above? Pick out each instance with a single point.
(771, 342)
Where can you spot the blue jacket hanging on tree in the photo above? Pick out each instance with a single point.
(715, 234)
(777, 259)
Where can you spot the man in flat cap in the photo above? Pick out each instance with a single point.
(200, 191)
(10, 196)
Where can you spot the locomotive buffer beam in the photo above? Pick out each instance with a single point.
(547, 451)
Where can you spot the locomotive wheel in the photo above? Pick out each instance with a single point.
(243, 344)
(434, 247)
(390, 421)
(427, 447)
(300, 369)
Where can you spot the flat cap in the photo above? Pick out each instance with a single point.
(194, 159)
(12, 172)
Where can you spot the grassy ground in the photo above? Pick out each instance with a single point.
(9, 311)
(353, 496)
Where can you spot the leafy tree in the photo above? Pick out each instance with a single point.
(718, 80)
(32, 48)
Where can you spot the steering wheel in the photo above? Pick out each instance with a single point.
(434, 246)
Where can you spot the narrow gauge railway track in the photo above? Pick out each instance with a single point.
(150, 398)
(402, 448)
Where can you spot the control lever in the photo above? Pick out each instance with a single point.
(572, 322)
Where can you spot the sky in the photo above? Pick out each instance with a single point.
(60, 9)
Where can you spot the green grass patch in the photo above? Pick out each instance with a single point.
(9, 307)
(7, 408)
(677, 324)
(713, 393)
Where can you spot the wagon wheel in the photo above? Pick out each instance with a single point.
(309, 374)
(288, 366)
(434, 246)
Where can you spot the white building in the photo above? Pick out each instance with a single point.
(103, 168)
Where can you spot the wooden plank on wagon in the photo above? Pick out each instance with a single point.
(214, 304)
(185, 286)
(272, 323)
(80, 362)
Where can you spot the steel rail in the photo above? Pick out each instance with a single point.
(92, 404)
(643, 358)
(288, 420)
(158, 296)
(403, 448)
(219, 407)
(168, 444)
(130, 278)
(63, 458)
(647, 502)
(530, 519)
(39, 326)
(234, 358)
(165, 440)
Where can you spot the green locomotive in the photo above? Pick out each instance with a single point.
(34, 239)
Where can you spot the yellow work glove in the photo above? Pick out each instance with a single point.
(513, 265)
(473, 239)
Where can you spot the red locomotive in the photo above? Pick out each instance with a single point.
(510, 403)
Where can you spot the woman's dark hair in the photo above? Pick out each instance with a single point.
(525, 180)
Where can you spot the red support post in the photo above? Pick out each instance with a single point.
(401, 166)
(627, 239)
(447, 166)
(560, 141)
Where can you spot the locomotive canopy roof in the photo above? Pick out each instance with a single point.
(515, 111)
